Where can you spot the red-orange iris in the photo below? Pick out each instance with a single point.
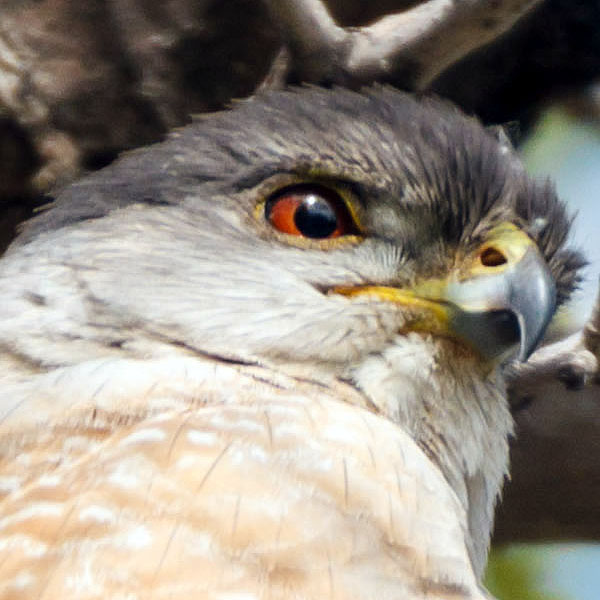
(310, 211)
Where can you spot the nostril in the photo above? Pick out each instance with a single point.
(491, 257)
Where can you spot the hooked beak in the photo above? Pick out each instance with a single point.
(500, 300)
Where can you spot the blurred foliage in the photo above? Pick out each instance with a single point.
(556, 136)
(518, 573)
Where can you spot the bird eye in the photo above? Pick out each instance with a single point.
(310, 211)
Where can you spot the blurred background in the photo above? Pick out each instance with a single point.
(566, 148)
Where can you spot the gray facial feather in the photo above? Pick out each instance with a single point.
(423, 156)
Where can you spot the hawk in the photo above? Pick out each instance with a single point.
(262, 359)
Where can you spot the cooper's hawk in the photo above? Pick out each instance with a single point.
(260, 359)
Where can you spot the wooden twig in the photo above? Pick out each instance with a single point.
(419, 43)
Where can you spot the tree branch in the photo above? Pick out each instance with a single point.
(310, 29)
(418, 43)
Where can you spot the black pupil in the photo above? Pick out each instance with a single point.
(315, 217)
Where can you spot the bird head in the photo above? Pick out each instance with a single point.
(370, 240)
(316, 226)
